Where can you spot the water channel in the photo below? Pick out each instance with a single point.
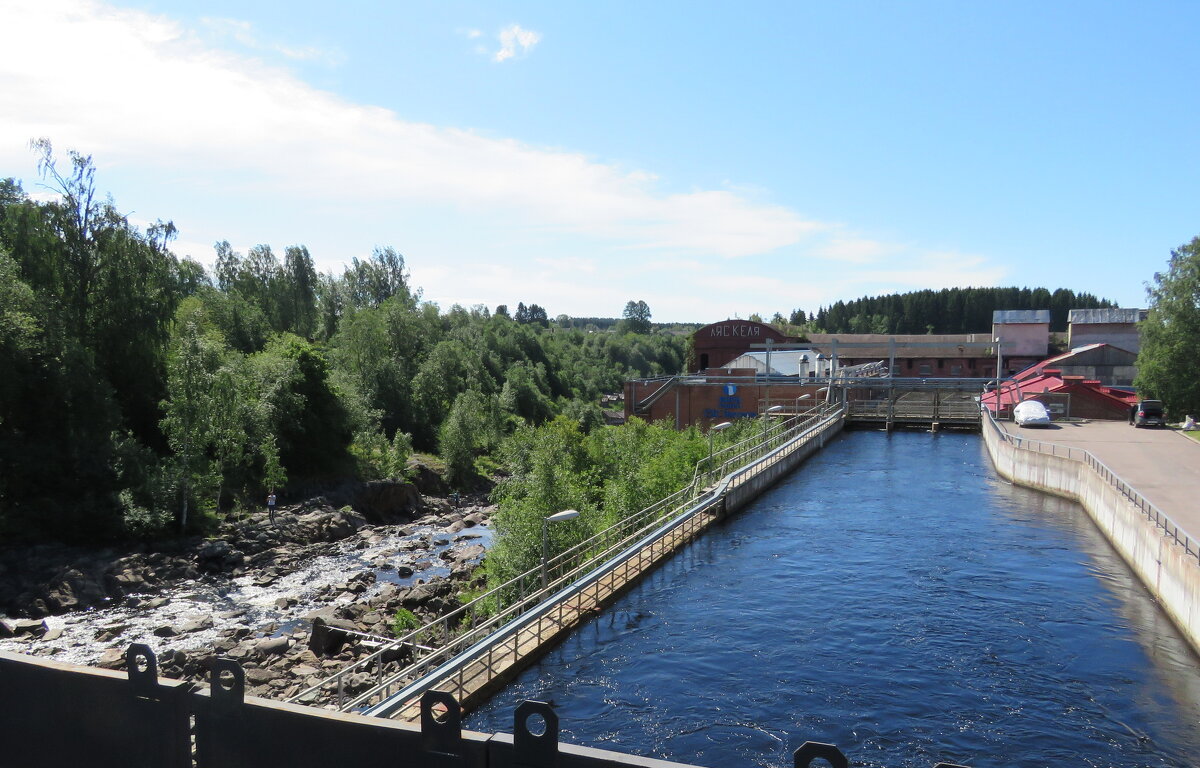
(894, 597)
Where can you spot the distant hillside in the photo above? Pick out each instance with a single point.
(950, 310)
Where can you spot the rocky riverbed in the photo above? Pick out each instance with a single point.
(251, 592)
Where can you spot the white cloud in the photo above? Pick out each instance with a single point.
(514, 40)
(241, 150)
(243, 33)
(222, 117)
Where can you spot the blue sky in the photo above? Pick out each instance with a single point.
(712, 160)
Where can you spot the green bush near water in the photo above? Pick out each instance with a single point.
(608, 474)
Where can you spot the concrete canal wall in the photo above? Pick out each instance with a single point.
(773, 467)
(1168, 570)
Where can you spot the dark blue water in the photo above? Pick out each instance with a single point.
(893, 597)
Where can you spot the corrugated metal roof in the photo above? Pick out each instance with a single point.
(881, 344)
(784, 361)
(1096, 316)
(1009, 316)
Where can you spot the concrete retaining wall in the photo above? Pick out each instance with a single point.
(1171, 575)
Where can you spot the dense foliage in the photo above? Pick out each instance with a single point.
(1170, 347)
(142, 393)
(607, 474)
(950, 310)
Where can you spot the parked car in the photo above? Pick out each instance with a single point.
(1149, 413)
(1031, 413)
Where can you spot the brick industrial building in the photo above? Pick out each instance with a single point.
(739, 368)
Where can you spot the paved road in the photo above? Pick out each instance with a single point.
(1162, 464)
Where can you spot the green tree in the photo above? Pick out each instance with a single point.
(1171, 334)
(189, 408)
(473, 426)
(636, 317)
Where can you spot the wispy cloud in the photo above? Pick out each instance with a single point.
(244, 34)
(515, 40)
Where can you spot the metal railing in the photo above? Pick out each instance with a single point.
(441, 639)
(956, 410)
(1160, 519)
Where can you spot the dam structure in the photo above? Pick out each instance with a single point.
(868, 600)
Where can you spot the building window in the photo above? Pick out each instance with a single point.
(956, 369)
(925, 369)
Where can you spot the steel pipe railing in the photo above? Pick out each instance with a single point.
(1160, 519)
(485, 614)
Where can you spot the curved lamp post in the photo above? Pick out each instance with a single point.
(774, 409)
(566, 514)
(724, 425)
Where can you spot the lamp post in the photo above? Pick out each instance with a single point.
(805, 396)
(724, 425)
(566, 514)
(766, 426)
(997, 388)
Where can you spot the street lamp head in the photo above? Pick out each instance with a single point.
(805, 396)
(775, 409)
(722, 426)
(566, 514)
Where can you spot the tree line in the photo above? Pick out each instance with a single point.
(949, 310)
(1170, 350)
(143, 393)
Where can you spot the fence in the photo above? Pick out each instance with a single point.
(1161, 520)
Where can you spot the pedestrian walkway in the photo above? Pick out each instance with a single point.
(1162, 464)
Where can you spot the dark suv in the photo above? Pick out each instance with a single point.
(1148, 413)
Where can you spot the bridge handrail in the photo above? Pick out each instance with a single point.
(591, 568)
(1160, 519)
(562, 568)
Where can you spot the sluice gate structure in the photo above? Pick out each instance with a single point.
(869, 396)
(897, 403)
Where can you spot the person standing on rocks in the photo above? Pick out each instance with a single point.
(271, 506)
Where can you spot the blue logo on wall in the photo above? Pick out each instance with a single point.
(730, 390)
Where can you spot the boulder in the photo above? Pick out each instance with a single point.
(329, 635)
(426, 479)
(113, 658)
(105, 634)
(196, 624)
(273, 645)
(33, 627)
(259, 676)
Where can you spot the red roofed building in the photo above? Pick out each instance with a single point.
(1063, 395)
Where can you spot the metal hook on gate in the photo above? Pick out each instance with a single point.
(535, 750)
(815, 750)
(227, 690)
(142, 667)
(441, 724)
